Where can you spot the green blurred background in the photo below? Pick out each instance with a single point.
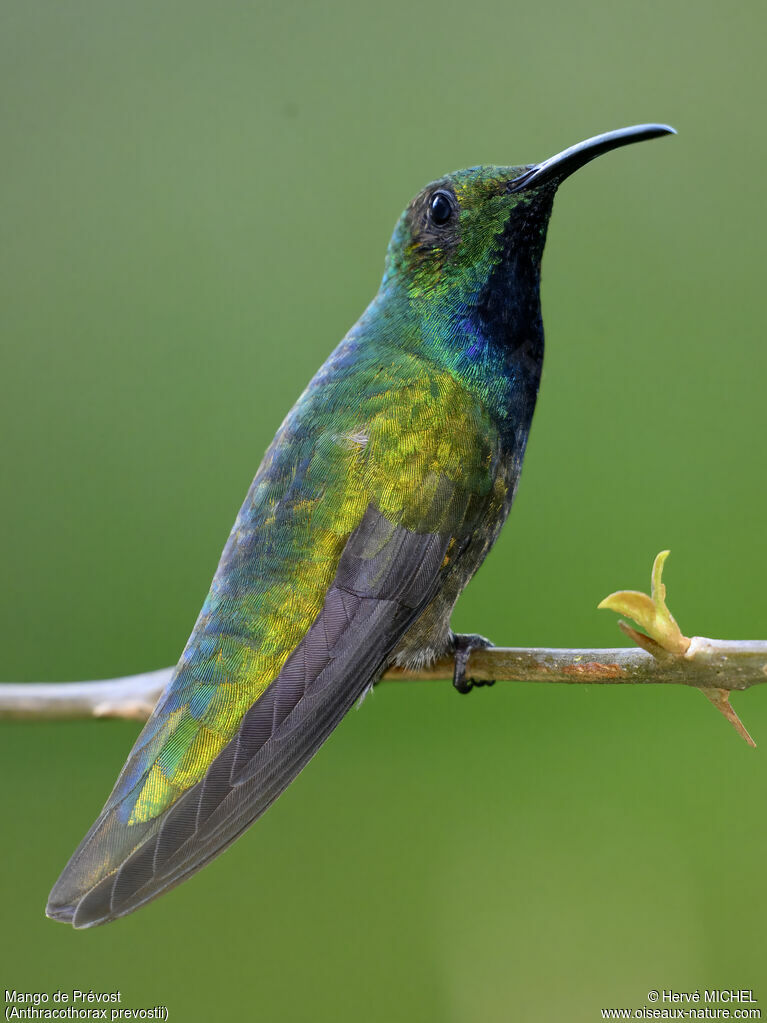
(196, 199)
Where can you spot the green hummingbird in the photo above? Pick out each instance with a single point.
(379, 497)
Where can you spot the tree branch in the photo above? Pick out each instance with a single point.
(131, 697)
(707, 664)
(663, 656)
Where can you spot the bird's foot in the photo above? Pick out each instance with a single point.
(462, 648)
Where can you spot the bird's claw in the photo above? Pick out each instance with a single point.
(462, 648)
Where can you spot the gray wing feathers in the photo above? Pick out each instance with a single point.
(385, 577)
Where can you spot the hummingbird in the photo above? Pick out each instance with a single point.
(378, 499)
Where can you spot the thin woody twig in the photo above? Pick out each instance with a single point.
(131, 697)
(708, 664)
(663, 656)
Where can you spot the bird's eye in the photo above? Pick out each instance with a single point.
(440, 208)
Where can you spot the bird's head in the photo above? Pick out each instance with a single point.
(481, 231)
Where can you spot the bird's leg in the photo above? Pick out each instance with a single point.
(462, 647)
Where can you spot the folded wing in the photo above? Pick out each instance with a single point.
(385, 577)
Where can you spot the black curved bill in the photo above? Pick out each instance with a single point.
(563, 164)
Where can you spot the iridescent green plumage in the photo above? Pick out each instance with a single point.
(329, 461)
(379, 497)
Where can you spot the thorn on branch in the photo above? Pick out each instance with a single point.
(720, 698)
